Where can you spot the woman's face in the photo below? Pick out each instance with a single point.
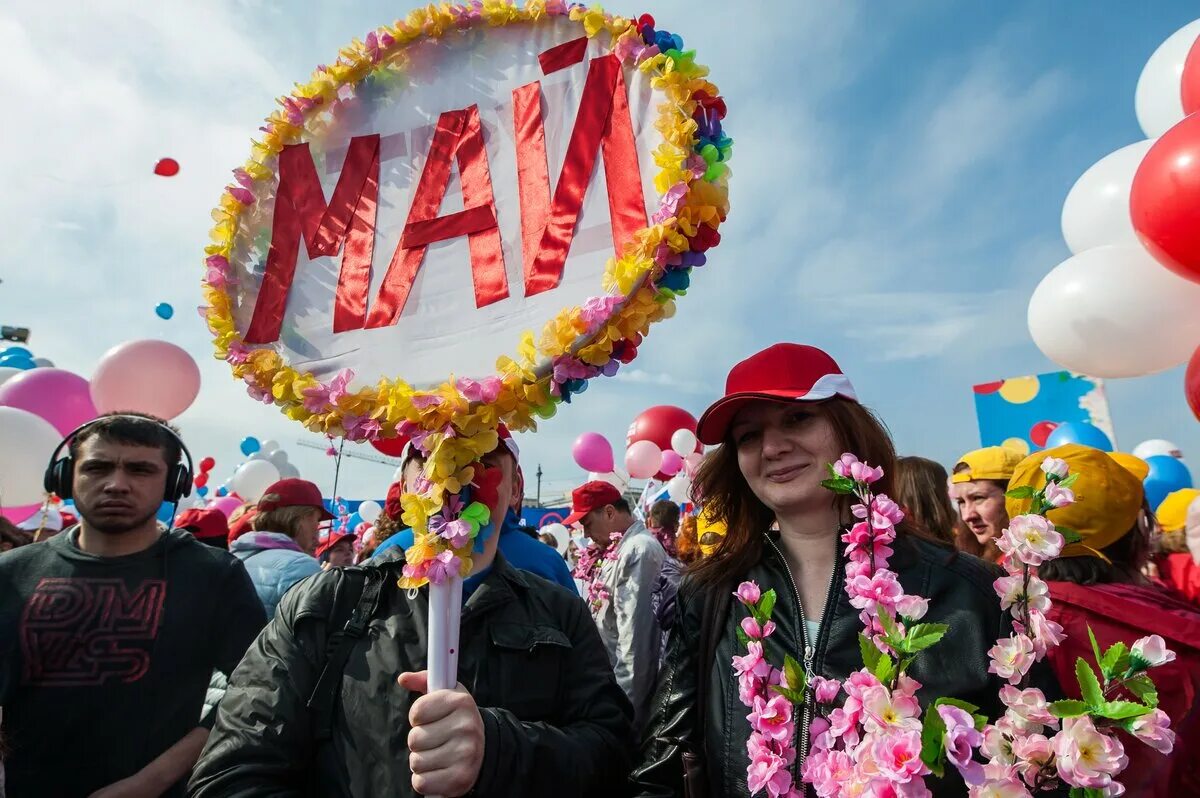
(782, 450)
(307, 531)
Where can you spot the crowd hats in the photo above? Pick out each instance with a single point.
(203, 523)
(590, 496)
(1108, 497)
(1133, 464)
(993, 462)
(1172, 514)
(780, 373)
(331, 541)
(293, 492)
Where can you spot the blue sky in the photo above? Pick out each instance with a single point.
(899, 172)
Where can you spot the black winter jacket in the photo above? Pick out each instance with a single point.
(959, 589)
(555, 720)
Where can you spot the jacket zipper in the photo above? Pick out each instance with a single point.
(809, 655)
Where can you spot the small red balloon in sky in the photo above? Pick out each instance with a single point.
(1040, 432)
(166, 167)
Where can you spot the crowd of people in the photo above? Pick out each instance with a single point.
(264, 654)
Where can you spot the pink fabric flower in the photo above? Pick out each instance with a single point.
(1011, 588)
(1011, 658)
(1056, 468)
(1031, 539)
(772, 717)
(669, 202)
(752, 664)
(320, 397)
(1154, 730)
(1027, 709)
(1005, 788)
(825, 690)
(897, 755)
(361, 428)
(756, 632)
(1032, 752)
(1046, 633)
(843, 464)
(1085, 757)
(884, 711)
(1150, 652)
(442, 567)
(882, 587)
(748, 593)
(1058, 496)
(912, 607)
(961, 739)
(597, 310)
(768, 771)
(485, 390)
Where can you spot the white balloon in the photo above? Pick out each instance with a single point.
(269, 446)
(369, 511)
(680, 489)
(280, 458)
(683, 441)
(289, 471)
(611, 478)
(253, 477)
(26, 443)
(1157, 100)
(43, 362)
(562, 536)
(1115, 312)
(1096, 211)
(1157, 446)
(8, 371)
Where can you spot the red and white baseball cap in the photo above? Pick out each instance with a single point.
(590, 496)
(782, 373)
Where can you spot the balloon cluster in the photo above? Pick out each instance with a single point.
(201, 479)
(40, 404)
(1112, 309)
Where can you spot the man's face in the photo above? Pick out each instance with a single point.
(342, 553)
(600, 524)
(118, 487)
(981, 507)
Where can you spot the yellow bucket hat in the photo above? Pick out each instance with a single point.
(1172, 513)
(1108, 497)
(994, 462)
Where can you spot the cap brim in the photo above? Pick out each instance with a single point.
(326, 515)
(716, 419)
(574, 518)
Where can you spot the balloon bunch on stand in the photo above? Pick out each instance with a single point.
(201, 479)
(40, 404)
(661, 445)
(1127, 303)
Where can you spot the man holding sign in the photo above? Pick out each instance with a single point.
(537, 710)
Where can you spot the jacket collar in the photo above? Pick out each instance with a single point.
(499, 587)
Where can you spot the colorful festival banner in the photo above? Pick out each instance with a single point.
(1022, 411)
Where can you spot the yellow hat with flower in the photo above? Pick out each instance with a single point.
(1108, 497)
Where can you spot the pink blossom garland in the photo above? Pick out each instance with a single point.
(588, 570)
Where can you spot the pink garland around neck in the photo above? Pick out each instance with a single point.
(879, 742)
(590, 566)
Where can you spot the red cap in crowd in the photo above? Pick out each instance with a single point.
(590, 496)
(293, 492)
(203, 523)
(242, 523)
(331, 541)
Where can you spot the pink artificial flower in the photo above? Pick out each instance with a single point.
(961, 739)
(883, 507)
(1011, 588)
(824, 690)
(1011, 658)
(421, 401)
(669, 202)
(1058, 496)
(772, 718)
(767, 771)
(897, 755)
(1030, 539)
(860, 538)
(238, 353)
(1056, 468)
(748, 593)
(842, 466)
(320, 397)
(859, 682)
(1085, 757)
(752, 663)
(485, 390)
(862, 472)
(1032, 752)
(1150, 652)
(444, 566)
(756, 632)
(1003, 788)
(750, 686)
(881, 588)
(455, 532)
(597, 310)
(912, 607)
(843, 722)
(1046, 633)
(361, 428)
(884, 711)
(1154, 730)
(1027, 709)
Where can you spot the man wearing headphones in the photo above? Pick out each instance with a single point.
(110, 631)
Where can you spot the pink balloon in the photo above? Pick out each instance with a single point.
(148, 376)
(58, 396)
(19, 514)
(642, 459)
(671, 463)
(593, 452)
(692, 462)
(226, 504)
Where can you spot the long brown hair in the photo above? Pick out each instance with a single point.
(921, 491)
(727, 497)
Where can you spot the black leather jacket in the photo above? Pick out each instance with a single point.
(959, 589)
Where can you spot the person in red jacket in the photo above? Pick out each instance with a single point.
(1176, 566)
(1098, 584)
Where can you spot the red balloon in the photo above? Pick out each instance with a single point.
(201, 480)
(207, 464)
(166, 167)
(989, 387)
(1189, 87)
(658, 424)
(1191, 384)
(1164, 201)
(392, 447)
(1040, 431)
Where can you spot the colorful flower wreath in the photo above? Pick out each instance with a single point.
(454, 424)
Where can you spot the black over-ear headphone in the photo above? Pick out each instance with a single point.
(60, 473)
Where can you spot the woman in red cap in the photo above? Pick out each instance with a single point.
(787, 412)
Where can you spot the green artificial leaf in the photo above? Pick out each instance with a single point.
(1095, 646)
(965, 706)
(870, 652)
(794, 673)
(766, 606)
(1121, 710)
(1112, 659)
(1143, 687)
(890, 630)
(831, 472)
(923, 635)
(885, 669)
(933, 751)
(1089, 685)
(1023, 492)
(980, 722)
(1086, 792)
(743, 638)
(1068, 708)
(1069, 481)
(840, 485)
(796, 697)
(1069, 535)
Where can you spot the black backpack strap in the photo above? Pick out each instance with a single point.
(360, 588)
